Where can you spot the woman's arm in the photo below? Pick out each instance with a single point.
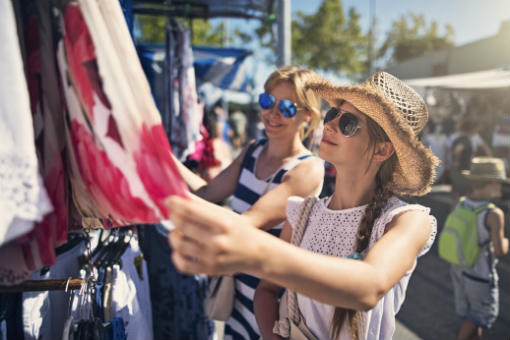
(210, 240)
(304, 180)
(266, 307)
(265, 302)
(220, 187)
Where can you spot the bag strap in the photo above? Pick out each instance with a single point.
(297, 235)
(484, 207)
(476, 210)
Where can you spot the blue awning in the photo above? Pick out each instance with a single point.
(223, 67)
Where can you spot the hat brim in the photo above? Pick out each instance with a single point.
(468, 175)
(416, 164)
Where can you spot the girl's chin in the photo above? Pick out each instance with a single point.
(323, 153)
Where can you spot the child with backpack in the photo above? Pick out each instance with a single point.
(472, 240)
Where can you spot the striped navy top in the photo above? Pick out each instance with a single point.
(242, 323)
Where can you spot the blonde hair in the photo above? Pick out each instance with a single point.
(298, 78)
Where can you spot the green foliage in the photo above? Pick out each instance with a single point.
(330, 41)
(411, 37)
(152, 30)
(206, 35)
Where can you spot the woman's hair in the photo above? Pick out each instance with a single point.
(383, 191)
(298, 78)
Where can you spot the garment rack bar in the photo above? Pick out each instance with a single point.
(43, 285)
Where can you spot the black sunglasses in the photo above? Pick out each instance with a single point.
(348, 122)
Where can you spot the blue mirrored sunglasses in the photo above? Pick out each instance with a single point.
(348, 122)
(287, 107)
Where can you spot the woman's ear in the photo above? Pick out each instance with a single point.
(383, 151)
(307, 117)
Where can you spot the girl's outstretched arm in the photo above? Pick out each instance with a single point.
(213, 240)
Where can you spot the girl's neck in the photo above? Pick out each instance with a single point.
(352, 190)
(481, 195)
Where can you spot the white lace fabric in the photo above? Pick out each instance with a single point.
(20, 186)
(333, 232)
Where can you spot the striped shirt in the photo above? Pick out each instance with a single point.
(242, 323)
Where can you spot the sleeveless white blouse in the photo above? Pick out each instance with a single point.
(333, 232)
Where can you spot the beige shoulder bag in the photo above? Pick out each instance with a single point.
(219, 301)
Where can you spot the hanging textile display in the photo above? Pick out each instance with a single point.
(23, 198)
(120, 167)
(119, 297)
(186, 121)
(170, 72)
(45, 103)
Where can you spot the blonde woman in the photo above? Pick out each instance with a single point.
(267, 173)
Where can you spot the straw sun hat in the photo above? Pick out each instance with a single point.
(402, 113)
(487, 169)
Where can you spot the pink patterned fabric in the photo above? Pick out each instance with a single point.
(94, 111)
(121, 169)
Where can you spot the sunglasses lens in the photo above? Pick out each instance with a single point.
(266, 101)
(287, 107)
(331, 114)
(348, 124)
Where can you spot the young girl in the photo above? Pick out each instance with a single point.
(360, 245)
(266, 173)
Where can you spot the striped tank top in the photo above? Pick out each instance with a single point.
(242, 323)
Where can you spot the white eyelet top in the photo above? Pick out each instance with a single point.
(333, 232)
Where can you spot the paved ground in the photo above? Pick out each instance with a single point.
(428, 311)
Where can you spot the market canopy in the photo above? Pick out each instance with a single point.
(250, 9)
(489, 79)
(221, 66)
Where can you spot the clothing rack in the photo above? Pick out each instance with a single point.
(44, 285)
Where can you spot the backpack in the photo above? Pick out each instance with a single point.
(458, 241)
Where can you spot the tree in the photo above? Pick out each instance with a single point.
(410, 37)
(151, 28)
(330, 41)
(207, 35)
(326, 40)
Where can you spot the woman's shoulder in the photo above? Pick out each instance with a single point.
(306, 163)
(250, 148)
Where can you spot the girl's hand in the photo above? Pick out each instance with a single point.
(210, 239)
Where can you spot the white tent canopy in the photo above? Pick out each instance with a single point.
(489, 79)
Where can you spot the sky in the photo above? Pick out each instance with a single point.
(471, 20)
